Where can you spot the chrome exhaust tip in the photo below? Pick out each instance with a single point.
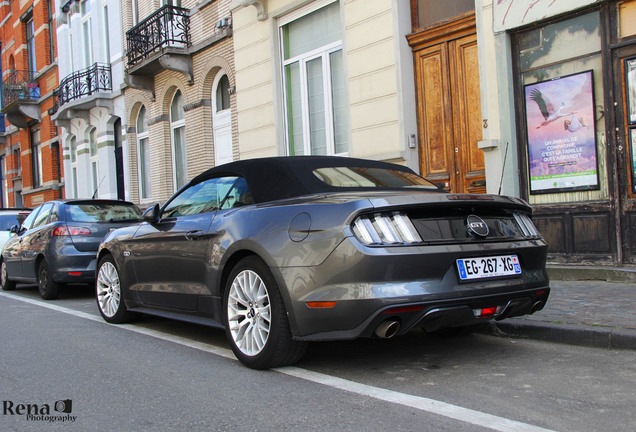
(535, 307)
(387, 329)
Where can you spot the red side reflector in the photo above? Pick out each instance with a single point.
(541, 292)
(403, 309)
(487, 312)
(75, 273)
(328, 304)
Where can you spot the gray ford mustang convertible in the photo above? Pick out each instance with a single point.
(283, 251)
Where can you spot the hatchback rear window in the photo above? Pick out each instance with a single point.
(361, 177)
(101, 212)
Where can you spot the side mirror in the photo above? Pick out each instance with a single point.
(15, 229)
(151, 214)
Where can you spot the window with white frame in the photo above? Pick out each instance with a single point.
(135, 12)
(143, 154)
(5, 185)
(85, 10)
(30, 46)
(36, 158)
(314, 81)
(92, 145)
(177, 127)
(73, 154)
(106, 31)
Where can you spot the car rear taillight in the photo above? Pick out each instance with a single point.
(72, 231)
(526, 225)
(385, 228)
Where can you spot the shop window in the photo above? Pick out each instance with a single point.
(561, 69)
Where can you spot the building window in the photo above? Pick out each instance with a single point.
(106, 33)
(314, 81)
(177, 126)
(223, 94)
(5, 185)
(92, 144)
(30, 45)
(135, 12)
(73, 152)
(51, 22)
(87, 25)
(143, 154)
(36, 158)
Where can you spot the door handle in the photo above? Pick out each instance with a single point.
(194, 235)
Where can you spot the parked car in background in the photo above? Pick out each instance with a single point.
(8, 218)
(283, 251)
(57, 243)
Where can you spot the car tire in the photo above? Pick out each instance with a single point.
(256, 322)
(7, 284)
(49, 289)
(109, 293)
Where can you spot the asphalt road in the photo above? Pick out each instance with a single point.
(161, 375)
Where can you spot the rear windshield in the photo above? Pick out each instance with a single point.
(361, 177)
(102, 212)
(7, 221)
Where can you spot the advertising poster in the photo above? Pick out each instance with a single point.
(632, 143)
(630, 88)
(561, 134)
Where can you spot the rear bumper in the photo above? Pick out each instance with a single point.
(416, 286)
(76, 267)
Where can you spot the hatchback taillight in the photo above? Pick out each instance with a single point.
(72, 231)
(391, 228)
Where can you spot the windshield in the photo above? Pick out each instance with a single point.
(361, 177)
(101, 212)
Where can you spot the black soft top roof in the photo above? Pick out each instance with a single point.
(274, 178)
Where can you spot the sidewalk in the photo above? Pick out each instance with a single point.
(590, 313)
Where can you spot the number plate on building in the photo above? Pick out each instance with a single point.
(487, 267)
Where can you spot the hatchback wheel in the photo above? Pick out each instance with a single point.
(256, 322)
(7, 285)
(49, 289)
(109, 293)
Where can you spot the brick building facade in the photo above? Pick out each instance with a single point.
(29, 147)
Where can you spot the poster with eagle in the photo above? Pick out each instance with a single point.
(561, 131)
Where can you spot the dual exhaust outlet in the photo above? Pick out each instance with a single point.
(389, 328)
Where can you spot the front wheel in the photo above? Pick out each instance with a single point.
(7, 285)
(256, 322)
(49, 289)
(109, 293)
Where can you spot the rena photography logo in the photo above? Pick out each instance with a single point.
(59, 413)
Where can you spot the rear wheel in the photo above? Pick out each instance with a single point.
(109, 293)
(49, 289)
(256, 321)
(7, 285)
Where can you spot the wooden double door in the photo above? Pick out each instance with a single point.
(449, 106)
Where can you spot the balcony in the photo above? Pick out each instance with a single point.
(158, 43)
(21, 95)
(81, 91)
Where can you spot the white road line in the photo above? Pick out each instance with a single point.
(417, 402)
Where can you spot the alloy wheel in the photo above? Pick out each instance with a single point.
(108, 289)
(249, 313)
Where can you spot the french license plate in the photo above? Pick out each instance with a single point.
(487, 267)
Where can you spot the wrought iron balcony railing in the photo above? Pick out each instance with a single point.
(85, 82)
(169, 26)
(20, 86)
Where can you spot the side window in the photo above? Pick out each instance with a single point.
(238, 196)
(43, 216)
(206, 196)
(28, 222)
(54, 214)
